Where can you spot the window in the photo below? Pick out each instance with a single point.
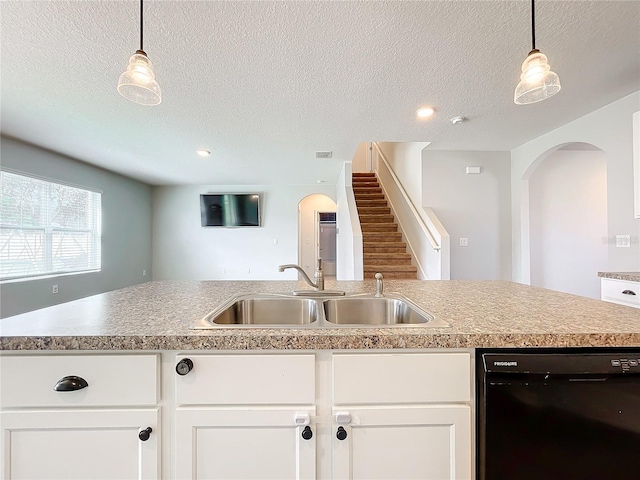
(47, 228)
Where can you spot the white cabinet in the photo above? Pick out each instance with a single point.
(243, 443)
(246, 417)
(79, 445)
(402, 416)
(636, 162)
(407, 442)
(89, 428)
(228, 415)
(623, 292)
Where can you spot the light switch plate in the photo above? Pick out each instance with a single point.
(623, 241)
(464, 242)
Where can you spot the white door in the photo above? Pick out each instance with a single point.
(391, 443)
(79, 445)
(245, 443)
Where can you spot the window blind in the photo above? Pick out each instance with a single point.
(47, 228)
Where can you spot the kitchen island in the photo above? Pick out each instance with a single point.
(119, 386)
(157, 316)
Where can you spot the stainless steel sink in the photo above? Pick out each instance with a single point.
(263, 310)
(280, 310)
(392, 309)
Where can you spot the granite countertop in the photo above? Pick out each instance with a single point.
(629, 276)
(157, 316)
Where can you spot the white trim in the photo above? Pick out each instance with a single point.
(423, 226)
(50, 180)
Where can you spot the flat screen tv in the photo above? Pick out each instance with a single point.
(230, 209)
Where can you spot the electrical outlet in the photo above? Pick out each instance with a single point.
(55, 289)
(144, 273)
(248, 270)
(464, 242)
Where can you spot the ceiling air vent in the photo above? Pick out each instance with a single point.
(328, 154)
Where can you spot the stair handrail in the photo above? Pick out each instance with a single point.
(432, 240)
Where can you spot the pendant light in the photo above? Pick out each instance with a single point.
(537, 81)
(138, 83)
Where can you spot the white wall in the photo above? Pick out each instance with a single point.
(182, 249)
(406, 161)
(609, 129)
(360, 162)
(473, 206)
(568, 218)
(126, 230)
(348, 231)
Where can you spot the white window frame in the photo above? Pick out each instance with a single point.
(93, 230)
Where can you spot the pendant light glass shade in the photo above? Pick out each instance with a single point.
(537, 81)
(138, 82)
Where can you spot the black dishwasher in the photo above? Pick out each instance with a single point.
(558, 414)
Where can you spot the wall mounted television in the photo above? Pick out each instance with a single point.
(230, 210)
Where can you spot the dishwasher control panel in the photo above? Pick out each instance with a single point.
(561, 363)
(626, 364)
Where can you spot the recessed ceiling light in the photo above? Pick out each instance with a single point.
(203, 153)
(425, 112)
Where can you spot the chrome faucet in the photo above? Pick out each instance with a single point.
(379, 285)
(319, 276)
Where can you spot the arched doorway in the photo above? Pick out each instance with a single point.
(312, 229)
(568, 219)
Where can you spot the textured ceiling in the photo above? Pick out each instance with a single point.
(264, 84)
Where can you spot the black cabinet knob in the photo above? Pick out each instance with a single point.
(184, 366)
(307, 433)
(70, 383)
(145, 434)
(341, 434)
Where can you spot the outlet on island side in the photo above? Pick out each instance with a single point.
(55, 289)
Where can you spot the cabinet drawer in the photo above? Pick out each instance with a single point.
(125, 380)
(401, 378)
(247, 379)
(620, 291)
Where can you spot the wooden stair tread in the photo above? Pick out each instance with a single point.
(401, 249)
(392, 268)
(369, 196)
(376, 217)
(387, 255)
(378, 228)
(365, 185)
(382, 236)
(392, 275)
(363, 174)
(374, 210)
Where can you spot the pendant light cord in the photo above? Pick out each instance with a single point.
(141, 26)
(533, 25)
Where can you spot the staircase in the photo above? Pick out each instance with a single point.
(383, 248)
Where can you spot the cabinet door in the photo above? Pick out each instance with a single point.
(426, 443)
(79, 444)
(243, 444)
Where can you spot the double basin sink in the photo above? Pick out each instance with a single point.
(283, 310)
